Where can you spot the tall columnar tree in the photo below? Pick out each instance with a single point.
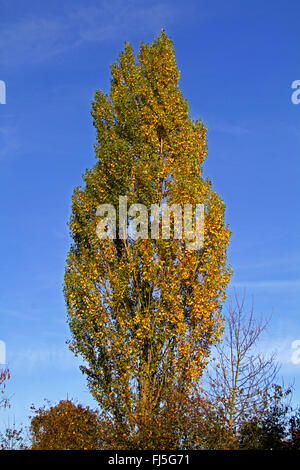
(143, 313)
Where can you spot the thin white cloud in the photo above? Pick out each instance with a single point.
(115, 18)
(33, 39)
(35, 358)
(273, 284)
(287, 263)
(287, 350)
(227, 128)
(224, 126)
(8, 141)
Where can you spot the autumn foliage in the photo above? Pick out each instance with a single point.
(65, 426)
(143, 313)
(4, 377)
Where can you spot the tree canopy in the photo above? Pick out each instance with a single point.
(144, 312)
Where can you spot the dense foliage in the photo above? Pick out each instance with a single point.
(144, 313)
(65, 426)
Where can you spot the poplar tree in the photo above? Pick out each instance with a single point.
(143, 313)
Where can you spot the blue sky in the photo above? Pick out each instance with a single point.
(238, 60)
